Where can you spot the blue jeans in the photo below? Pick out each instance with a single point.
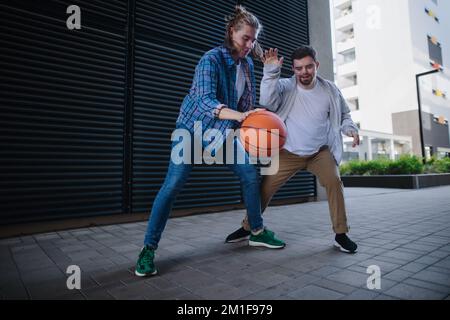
(177, 176)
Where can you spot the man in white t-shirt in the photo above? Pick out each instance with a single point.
(316, 115)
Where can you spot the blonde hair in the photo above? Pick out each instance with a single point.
(237, 20)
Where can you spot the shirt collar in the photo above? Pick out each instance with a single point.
(228, 58)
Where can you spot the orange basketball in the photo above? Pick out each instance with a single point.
(259, 136)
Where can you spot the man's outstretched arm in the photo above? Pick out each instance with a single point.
(271, 89)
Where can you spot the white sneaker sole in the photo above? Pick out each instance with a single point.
(337, 245)
(238, 240)
(145, 274)
(260, 244)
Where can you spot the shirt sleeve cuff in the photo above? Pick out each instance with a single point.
(271, 68)
(217, 110)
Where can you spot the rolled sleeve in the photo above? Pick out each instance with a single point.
(216, 110)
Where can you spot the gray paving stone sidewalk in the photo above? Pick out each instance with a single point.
(404, 232)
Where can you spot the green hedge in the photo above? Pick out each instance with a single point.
(406, 164)
(438, 165)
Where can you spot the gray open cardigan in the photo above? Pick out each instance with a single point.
(278, 95)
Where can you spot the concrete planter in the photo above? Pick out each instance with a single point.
(407, 181)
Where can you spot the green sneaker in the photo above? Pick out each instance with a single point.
(145, 266)
(266, 239)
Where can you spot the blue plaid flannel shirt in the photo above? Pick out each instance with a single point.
(214, 84)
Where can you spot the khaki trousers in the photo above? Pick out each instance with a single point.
(323, 166)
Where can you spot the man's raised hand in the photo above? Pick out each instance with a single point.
(271, 57)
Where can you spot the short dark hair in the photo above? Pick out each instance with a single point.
(302, 52)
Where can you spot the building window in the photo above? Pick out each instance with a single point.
(353, 105)
(435, 2)
(435, 50)
(357, 105)
(440, 120)
(347, 11)
(349, 56)
(439, 93)
(431, 14)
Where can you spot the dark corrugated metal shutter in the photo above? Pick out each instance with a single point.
(71, 98)
(171, 36)
(62, 105)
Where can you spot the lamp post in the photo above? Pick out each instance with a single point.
(422, 144)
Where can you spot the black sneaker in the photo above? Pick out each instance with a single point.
(344, 243)
(239, 235)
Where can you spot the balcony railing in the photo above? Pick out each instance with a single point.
(345, 45)
(347, 69)
(350, 92)
(341, 4)
(345, 23)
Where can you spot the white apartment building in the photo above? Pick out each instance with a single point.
(380, 46)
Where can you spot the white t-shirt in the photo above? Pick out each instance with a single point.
(240, 81)
(308, 122)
